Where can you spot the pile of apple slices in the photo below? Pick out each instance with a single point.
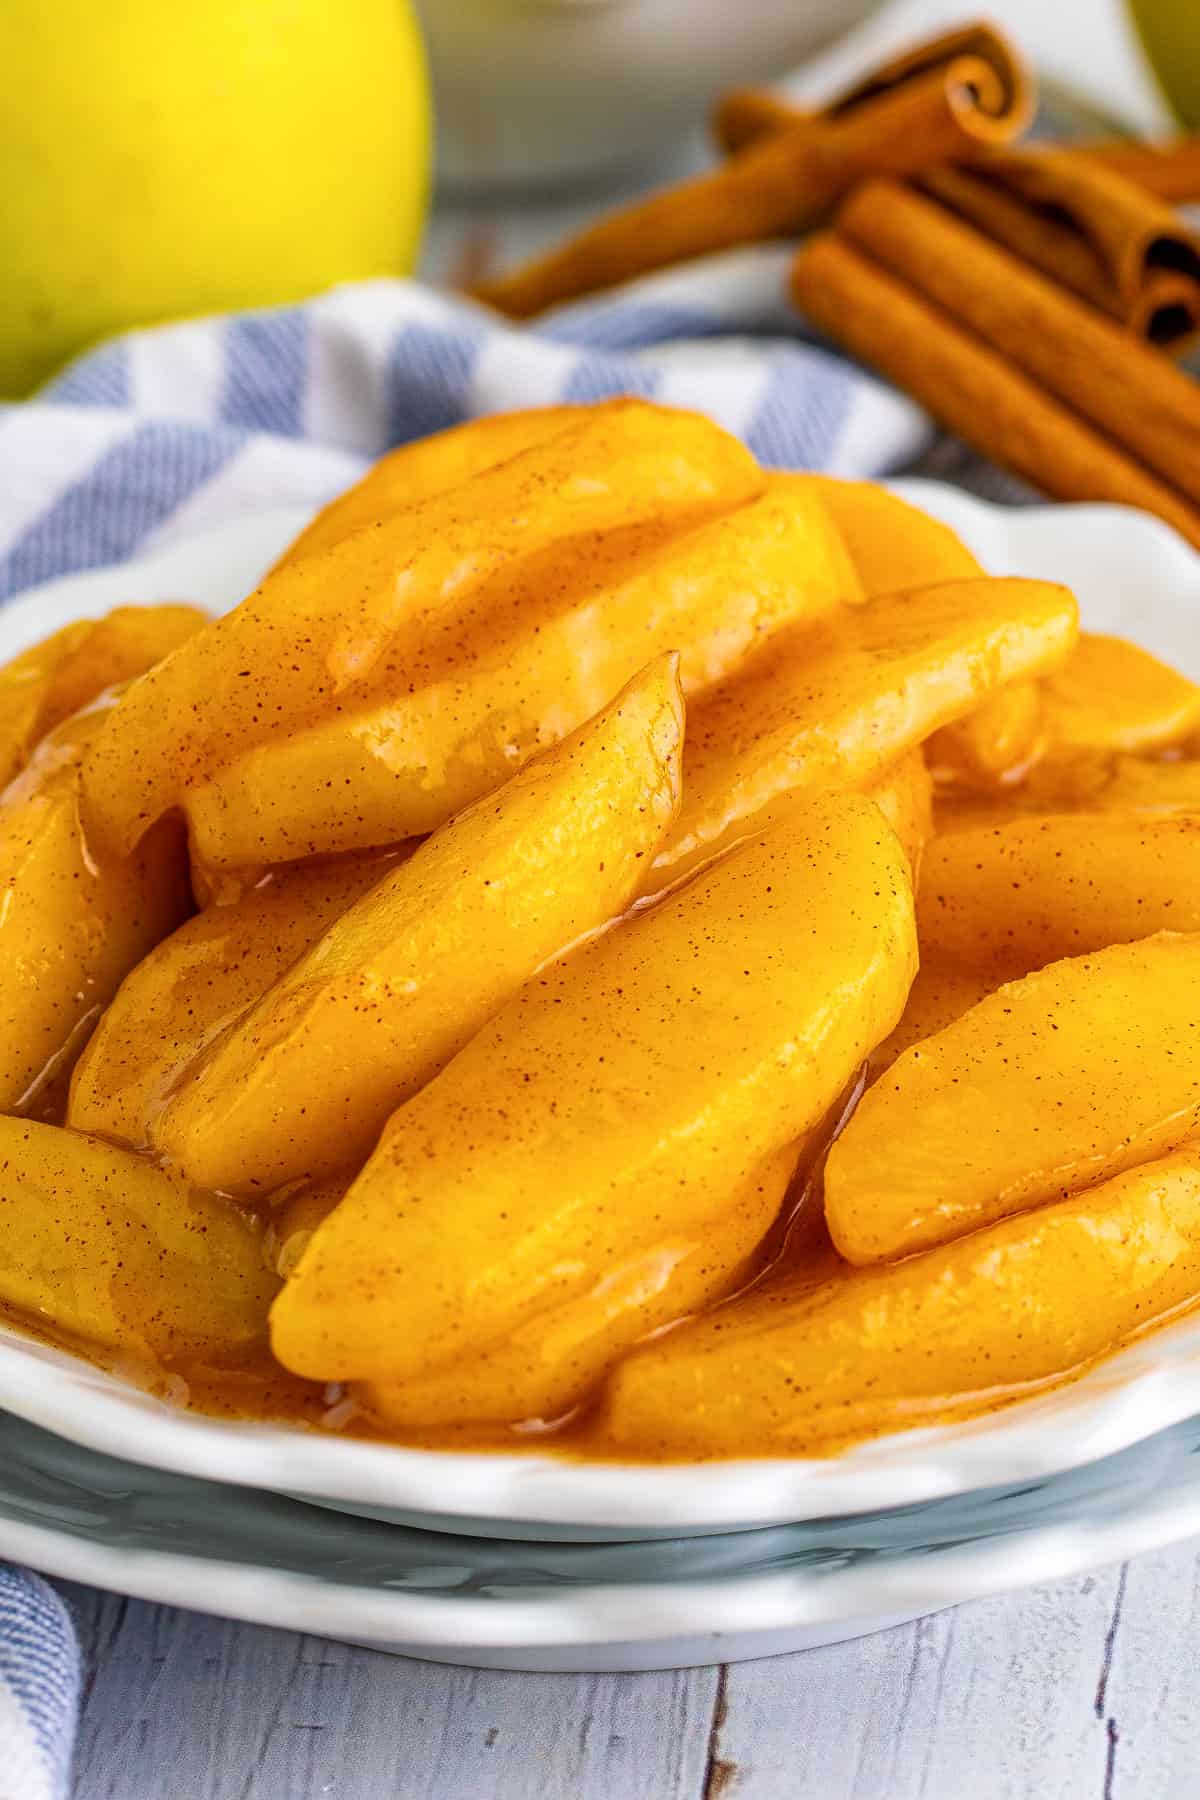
(559, 816)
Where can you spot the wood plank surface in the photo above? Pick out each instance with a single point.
(1083, 1690)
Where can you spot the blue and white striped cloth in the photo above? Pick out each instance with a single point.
(172, 430)
(169, 431)
(39, 1688)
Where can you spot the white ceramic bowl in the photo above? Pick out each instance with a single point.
(540, 91)
(1132, 576)
(494, 1603)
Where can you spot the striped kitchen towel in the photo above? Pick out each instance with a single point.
(39, 1689)
(171, 430)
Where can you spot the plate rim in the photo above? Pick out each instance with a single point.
(592, 1614)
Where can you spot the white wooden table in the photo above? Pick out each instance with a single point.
(1087, 1689)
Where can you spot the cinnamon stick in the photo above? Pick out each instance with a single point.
(939, 105)
(1002, 83)
(1082, 218)
(1170, 170)
(745, 115)
(1090, 228)
(1167, 312)
(970, 388)
(1101, 371)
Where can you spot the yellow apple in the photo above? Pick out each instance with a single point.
(161, 160)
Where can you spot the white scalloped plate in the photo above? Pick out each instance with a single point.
(1133, 576)
(496, 1603)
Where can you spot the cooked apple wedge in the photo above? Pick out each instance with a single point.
(892, 544)
(26, 688)
(303, 1085)
(1145, 785)
(998, 743)
(903, 794)
(999, 900)
(404, 764)
(197, 982)
(796, 1369)
(1079, 781)
(942, 992)
(617, 1103)
(290, 1224)
(548, 1365)
(45, 684)
(101, 1244)
(428, 466)
(73, 919)
(1113, 695)
(1039, 888)
(834, 703)
(409, 604)
(1050, 1084)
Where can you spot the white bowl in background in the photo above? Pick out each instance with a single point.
(548, 91)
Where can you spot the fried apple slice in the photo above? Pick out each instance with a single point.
(1079, 781)
(895, 545)
(101, 1244)
(892, 544)
(1039, 888)
(1052, 1083)
(1109, 696)
(399, 607)
(551, 1363)
(26, 686)
(45, 684)
(291, 1223)
(73, 920)
(118, 647)
(304, 1084)
(1138, 784)
(197, 982)
(795, 1370)
(942, 992)
(997, 901)
(615, 1104)
(428, 466)
(834, 703)
(1113, 695)
(904, 795)
(407, 763)
(997, 743)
